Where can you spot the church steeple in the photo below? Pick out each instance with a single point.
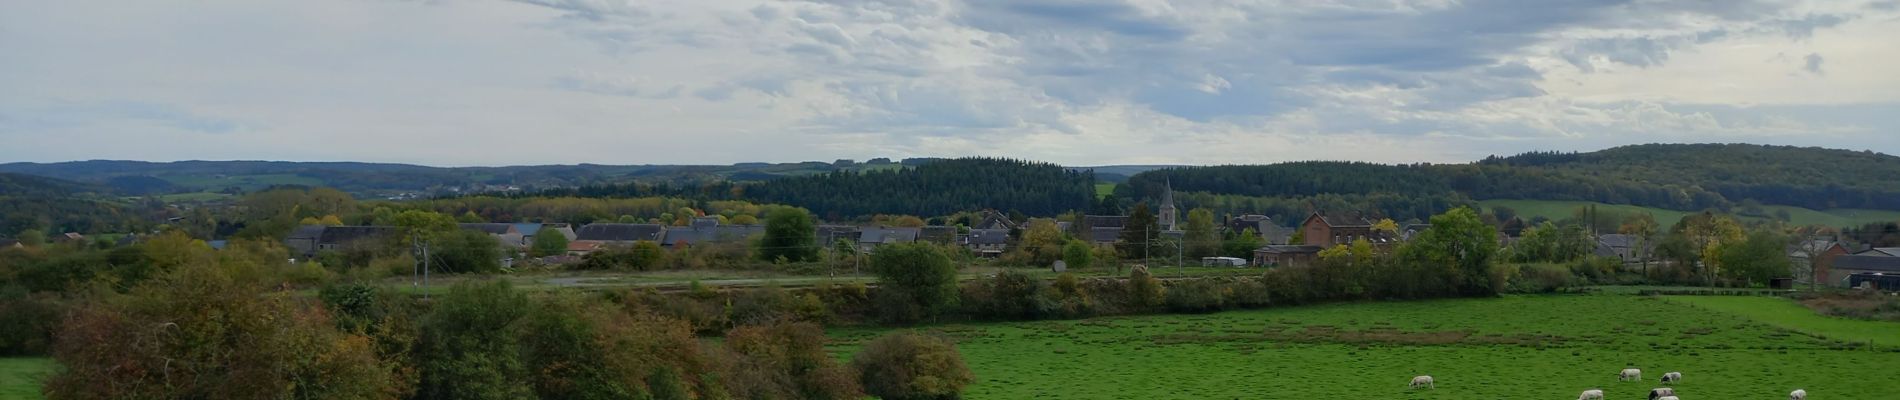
(1168, 211)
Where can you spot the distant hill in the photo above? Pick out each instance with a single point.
(137, 178)
(932, 189)
(53, 205)
(1667, 176)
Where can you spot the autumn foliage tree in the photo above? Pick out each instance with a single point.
(910, 366)
(202, 330)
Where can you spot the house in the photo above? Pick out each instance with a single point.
(870, 238)
(619, 233)
(1322, 230)
(1629, 249)
(987, 242)
(529, 229)
(306, 241)
(994, 220)
(1880, 252)
(1102, 230)
(1848, 266)
(6, 243)
(708, 230)
(507, 234)
(69, 237)
(1819, 254)
(1285, 255)
(1263, 225)
(938, 234)
(581, 248)
(1411, 231)
(829, 235)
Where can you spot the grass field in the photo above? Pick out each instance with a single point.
(1548, 347)
(1788, 314)
(1103, 189)
(1555, 210)
(20, 377)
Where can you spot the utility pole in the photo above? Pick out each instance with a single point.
(425, 269)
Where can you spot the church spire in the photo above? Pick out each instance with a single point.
(1168, 212)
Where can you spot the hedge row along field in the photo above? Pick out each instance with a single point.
(1546, 347)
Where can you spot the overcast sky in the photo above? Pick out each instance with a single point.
(1078, 82)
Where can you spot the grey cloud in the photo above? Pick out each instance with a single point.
(1011, 16)
(71, 115)
(591, 9)
(614, 86)
(1813, 63)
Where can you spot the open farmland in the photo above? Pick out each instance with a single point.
(1548, 347)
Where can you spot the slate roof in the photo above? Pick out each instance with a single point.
(987, 236)
(994, 220)
(1105, 221)
(1881, 252)
(938, 234)
(345, 234)
(829, 234)
(307, 232)
(490, 228)
(8, 242)
(1338, 221)
(1105, 234)
(1287, 249)
(1867, 263)
(620, 232)
(888, 235)
(715, 234)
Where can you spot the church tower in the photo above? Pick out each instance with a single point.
(1168, 212)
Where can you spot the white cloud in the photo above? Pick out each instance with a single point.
(1083, 82)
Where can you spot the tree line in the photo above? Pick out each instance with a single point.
(1677, 177)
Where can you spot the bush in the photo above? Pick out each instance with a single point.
(1197, 296)
(467, 349)
(1007, 295)
(195, 332)
(788, 360)
(1144, 290)
(909, 366)
(1541, 278)
(27, 321)
(916, 282)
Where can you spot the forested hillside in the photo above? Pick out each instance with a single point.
(53, 206)
(937, 188)
(1676, 177)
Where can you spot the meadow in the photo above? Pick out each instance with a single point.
(1549, 347)
(20, 377)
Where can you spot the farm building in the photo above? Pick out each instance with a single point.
(1851, 265)
(1285, 255)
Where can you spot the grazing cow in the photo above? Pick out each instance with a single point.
(1658, 393)
(1798, 394)
(1592, 394)
(1629, 374)
(1423, 381)
(1672, 377)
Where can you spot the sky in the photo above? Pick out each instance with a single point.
(1076, 82)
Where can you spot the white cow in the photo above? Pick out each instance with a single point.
(1629, 374)
(1423, 381)
(1798, 394)
(1668, 398)
(1592, 394)
(1672, 377)
(1658, 393)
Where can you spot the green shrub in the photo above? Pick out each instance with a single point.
(1197, 296)
(909, 366)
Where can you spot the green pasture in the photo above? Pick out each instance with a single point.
(1549, 347)
(20, 377)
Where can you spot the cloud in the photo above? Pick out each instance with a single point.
(1077, 81)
